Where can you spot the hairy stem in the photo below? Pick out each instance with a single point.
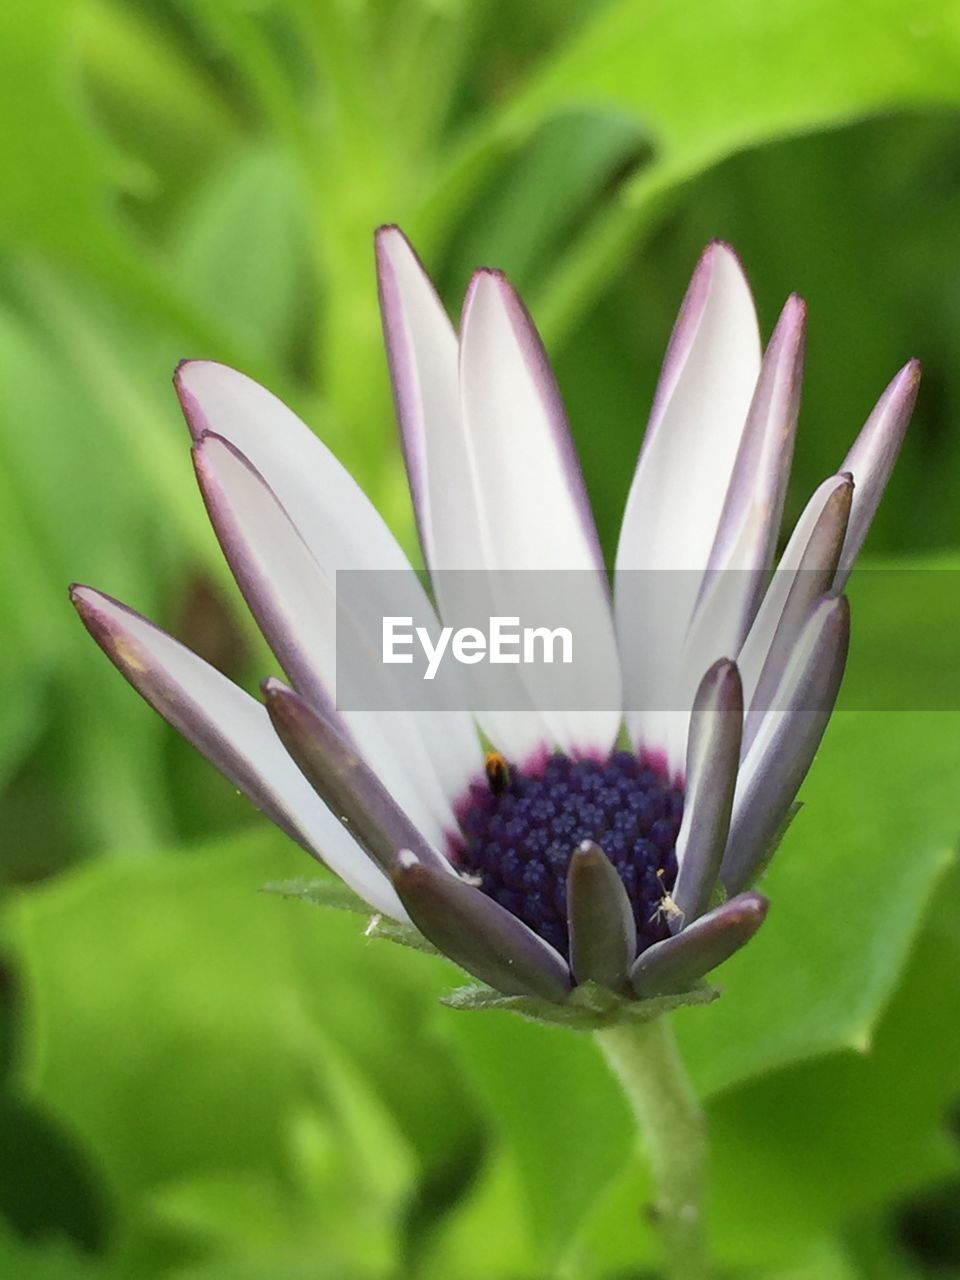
(647, 1062)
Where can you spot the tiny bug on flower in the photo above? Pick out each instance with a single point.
(498, 772)
(667, 909)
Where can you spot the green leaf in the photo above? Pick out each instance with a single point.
(238, 1026)
(240, 250)
(737, 76)
(574, 156)
(48, 1261)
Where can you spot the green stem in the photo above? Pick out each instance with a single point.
(646, 1060)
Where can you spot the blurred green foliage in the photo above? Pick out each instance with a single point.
(204, 1083)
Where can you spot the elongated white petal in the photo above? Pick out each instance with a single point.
(423, 357)
(871, 459)
(788, 738)
(533, 509)
(234, 732)
(330, 512)
(678, 493)
(496, 482)
(295, 604)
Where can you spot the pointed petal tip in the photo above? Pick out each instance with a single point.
(723, 669)
(718, 247)
(906, 385)
(185, 367)
(94, 608)
(829, 618)
(718, 253)
(389, 240)
(190, 405)
(487, 284)
(794, 315)
(903, 388)
(912, 371)
(749, 906)
(721, 681)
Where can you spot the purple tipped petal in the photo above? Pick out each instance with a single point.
(750, 520)
(233, 731)
(676, 965)
(336, 521)
(495, 481)
(280, 580)
(603, 933)
(713, 757)
(422, 355)
(532, 508)
(679, 490)
(295, 604)
(805, 574)
(871, 459)
(762, 467)
(507, 386)
(787, 740)
(478, 934)
(353, 793)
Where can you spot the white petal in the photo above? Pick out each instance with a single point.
(234, 732)
(679, 489)
(497, 484)
(423, 356)
(295, 602)
(533, 509)
(331, 513)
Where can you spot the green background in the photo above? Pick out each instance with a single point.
(202, 1082)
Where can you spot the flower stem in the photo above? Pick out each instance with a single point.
(647, 1062)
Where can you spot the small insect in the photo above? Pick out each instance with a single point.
(498, 772)
(469, 877)
(372, 925)
(667, 909)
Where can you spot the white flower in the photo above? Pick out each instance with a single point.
(561, 858)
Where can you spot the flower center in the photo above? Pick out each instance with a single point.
(520, 829)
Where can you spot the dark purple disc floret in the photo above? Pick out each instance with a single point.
(520, 833)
